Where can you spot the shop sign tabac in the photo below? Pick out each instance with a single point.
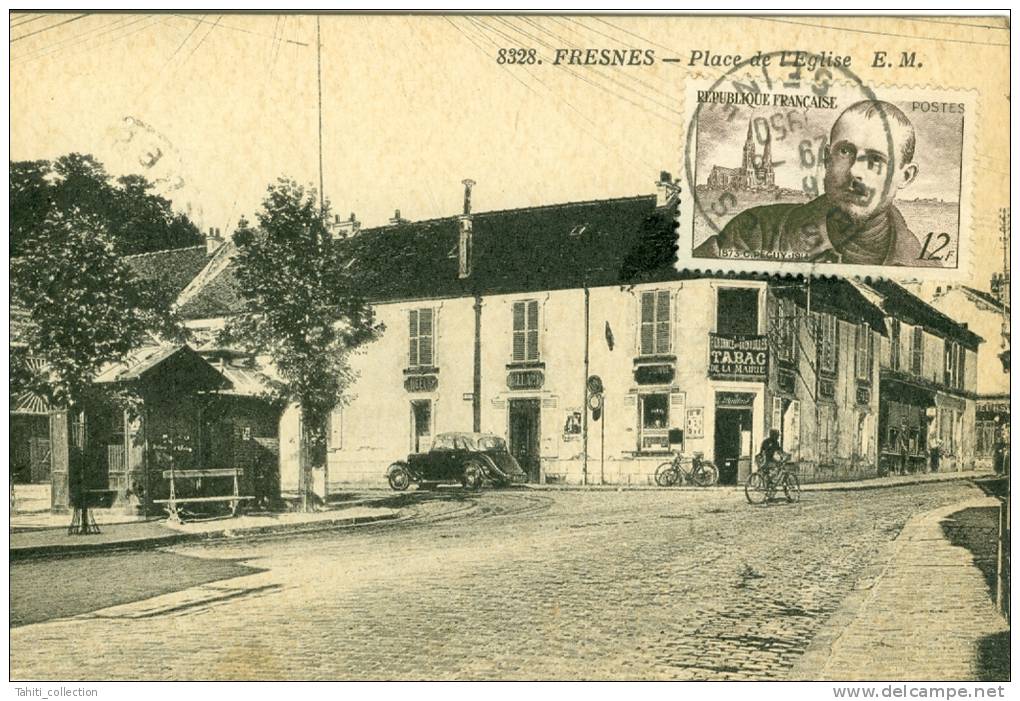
(738, 357)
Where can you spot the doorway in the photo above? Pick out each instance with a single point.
(421, 425)
(525, 415)
(732, 442)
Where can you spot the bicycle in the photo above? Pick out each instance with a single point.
(702, 473)
(760, 489)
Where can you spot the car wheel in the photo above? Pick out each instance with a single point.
(473, 476)
(399, 477)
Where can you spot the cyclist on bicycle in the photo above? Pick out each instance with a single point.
(770, 455)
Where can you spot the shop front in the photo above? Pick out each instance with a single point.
(906, 414)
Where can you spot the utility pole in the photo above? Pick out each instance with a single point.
(318, 56)
(585, 408)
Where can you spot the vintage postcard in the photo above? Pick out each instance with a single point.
(509, 346)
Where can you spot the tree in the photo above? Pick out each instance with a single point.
(82, 308)
(300, 308)
(136, 218)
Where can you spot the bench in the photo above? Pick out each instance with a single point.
(171, 504)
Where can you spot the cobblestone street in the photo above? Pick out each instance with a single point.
(514, 584)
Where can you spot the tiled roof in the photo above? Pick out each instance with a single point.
(216, 298)
(541, 248)
(908, 307)
(175, 267)
(986, 297)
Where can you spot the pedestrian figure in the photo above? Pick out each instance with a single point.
(904, 448)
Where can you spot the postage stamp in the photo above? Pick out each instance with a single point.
(810, 170)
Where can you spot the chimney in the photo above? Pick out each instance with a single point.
(465, 243)
(667, 190)
(468, 184)
(341, 229)
(213, 240)
(397, 219)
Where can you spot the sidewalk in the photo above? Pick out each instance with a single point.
(924, 612)
(42, 542)
(873, 483)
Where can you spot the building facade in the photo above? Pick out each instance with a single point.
(988, 316)
(496, 321)
(928, 385)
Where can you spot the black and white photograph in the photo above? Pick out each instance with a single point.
(509, 346)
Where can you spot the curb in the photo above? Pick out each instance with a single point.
(813, 662)
(84, 549)
(850, 486)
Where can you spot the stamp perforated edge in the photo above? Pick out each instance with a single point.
(904, 274)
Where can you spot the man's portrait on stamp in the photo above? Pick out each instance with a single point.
(867, 182)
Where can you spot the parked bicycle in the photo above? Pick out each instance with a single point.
(701, 472)
(762, 486)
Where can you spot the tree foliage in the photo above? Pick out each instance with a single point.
(78, 307)
(301, 308)
(136, 219)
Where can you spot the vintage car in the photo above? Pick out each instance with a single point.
(470, 459)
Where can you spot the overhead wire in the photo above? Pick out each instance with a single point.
(654, 89)
(22, 20)
(148, 20)
(558, 96)
(50, 27)
(52, 47)
(240, 29)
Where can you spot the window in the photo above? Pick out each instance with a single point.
(826, 433)
(336, 429)
(654, 421)
(525, 331)
(863, 341)
(917, 350)
(828, 342)
(953, 367)
(985, 430)
(655, 329)
(894, 344)
(421, 337)
(737, 311)
(784, 329)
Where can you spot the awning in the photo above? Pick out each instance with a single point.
(171, 367)
(244, 382)
(906, 389)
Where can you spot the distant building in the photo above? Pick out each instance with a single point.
(752, 173)
(987, 314)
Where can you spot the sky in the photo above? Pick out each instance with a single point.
(216, 107)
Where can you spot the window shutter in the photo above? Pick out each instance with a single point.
(519, 332)
(647, 323)
(425, 337)
(412, 316)
(662, 322)
(532, 353)
(961, 367)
